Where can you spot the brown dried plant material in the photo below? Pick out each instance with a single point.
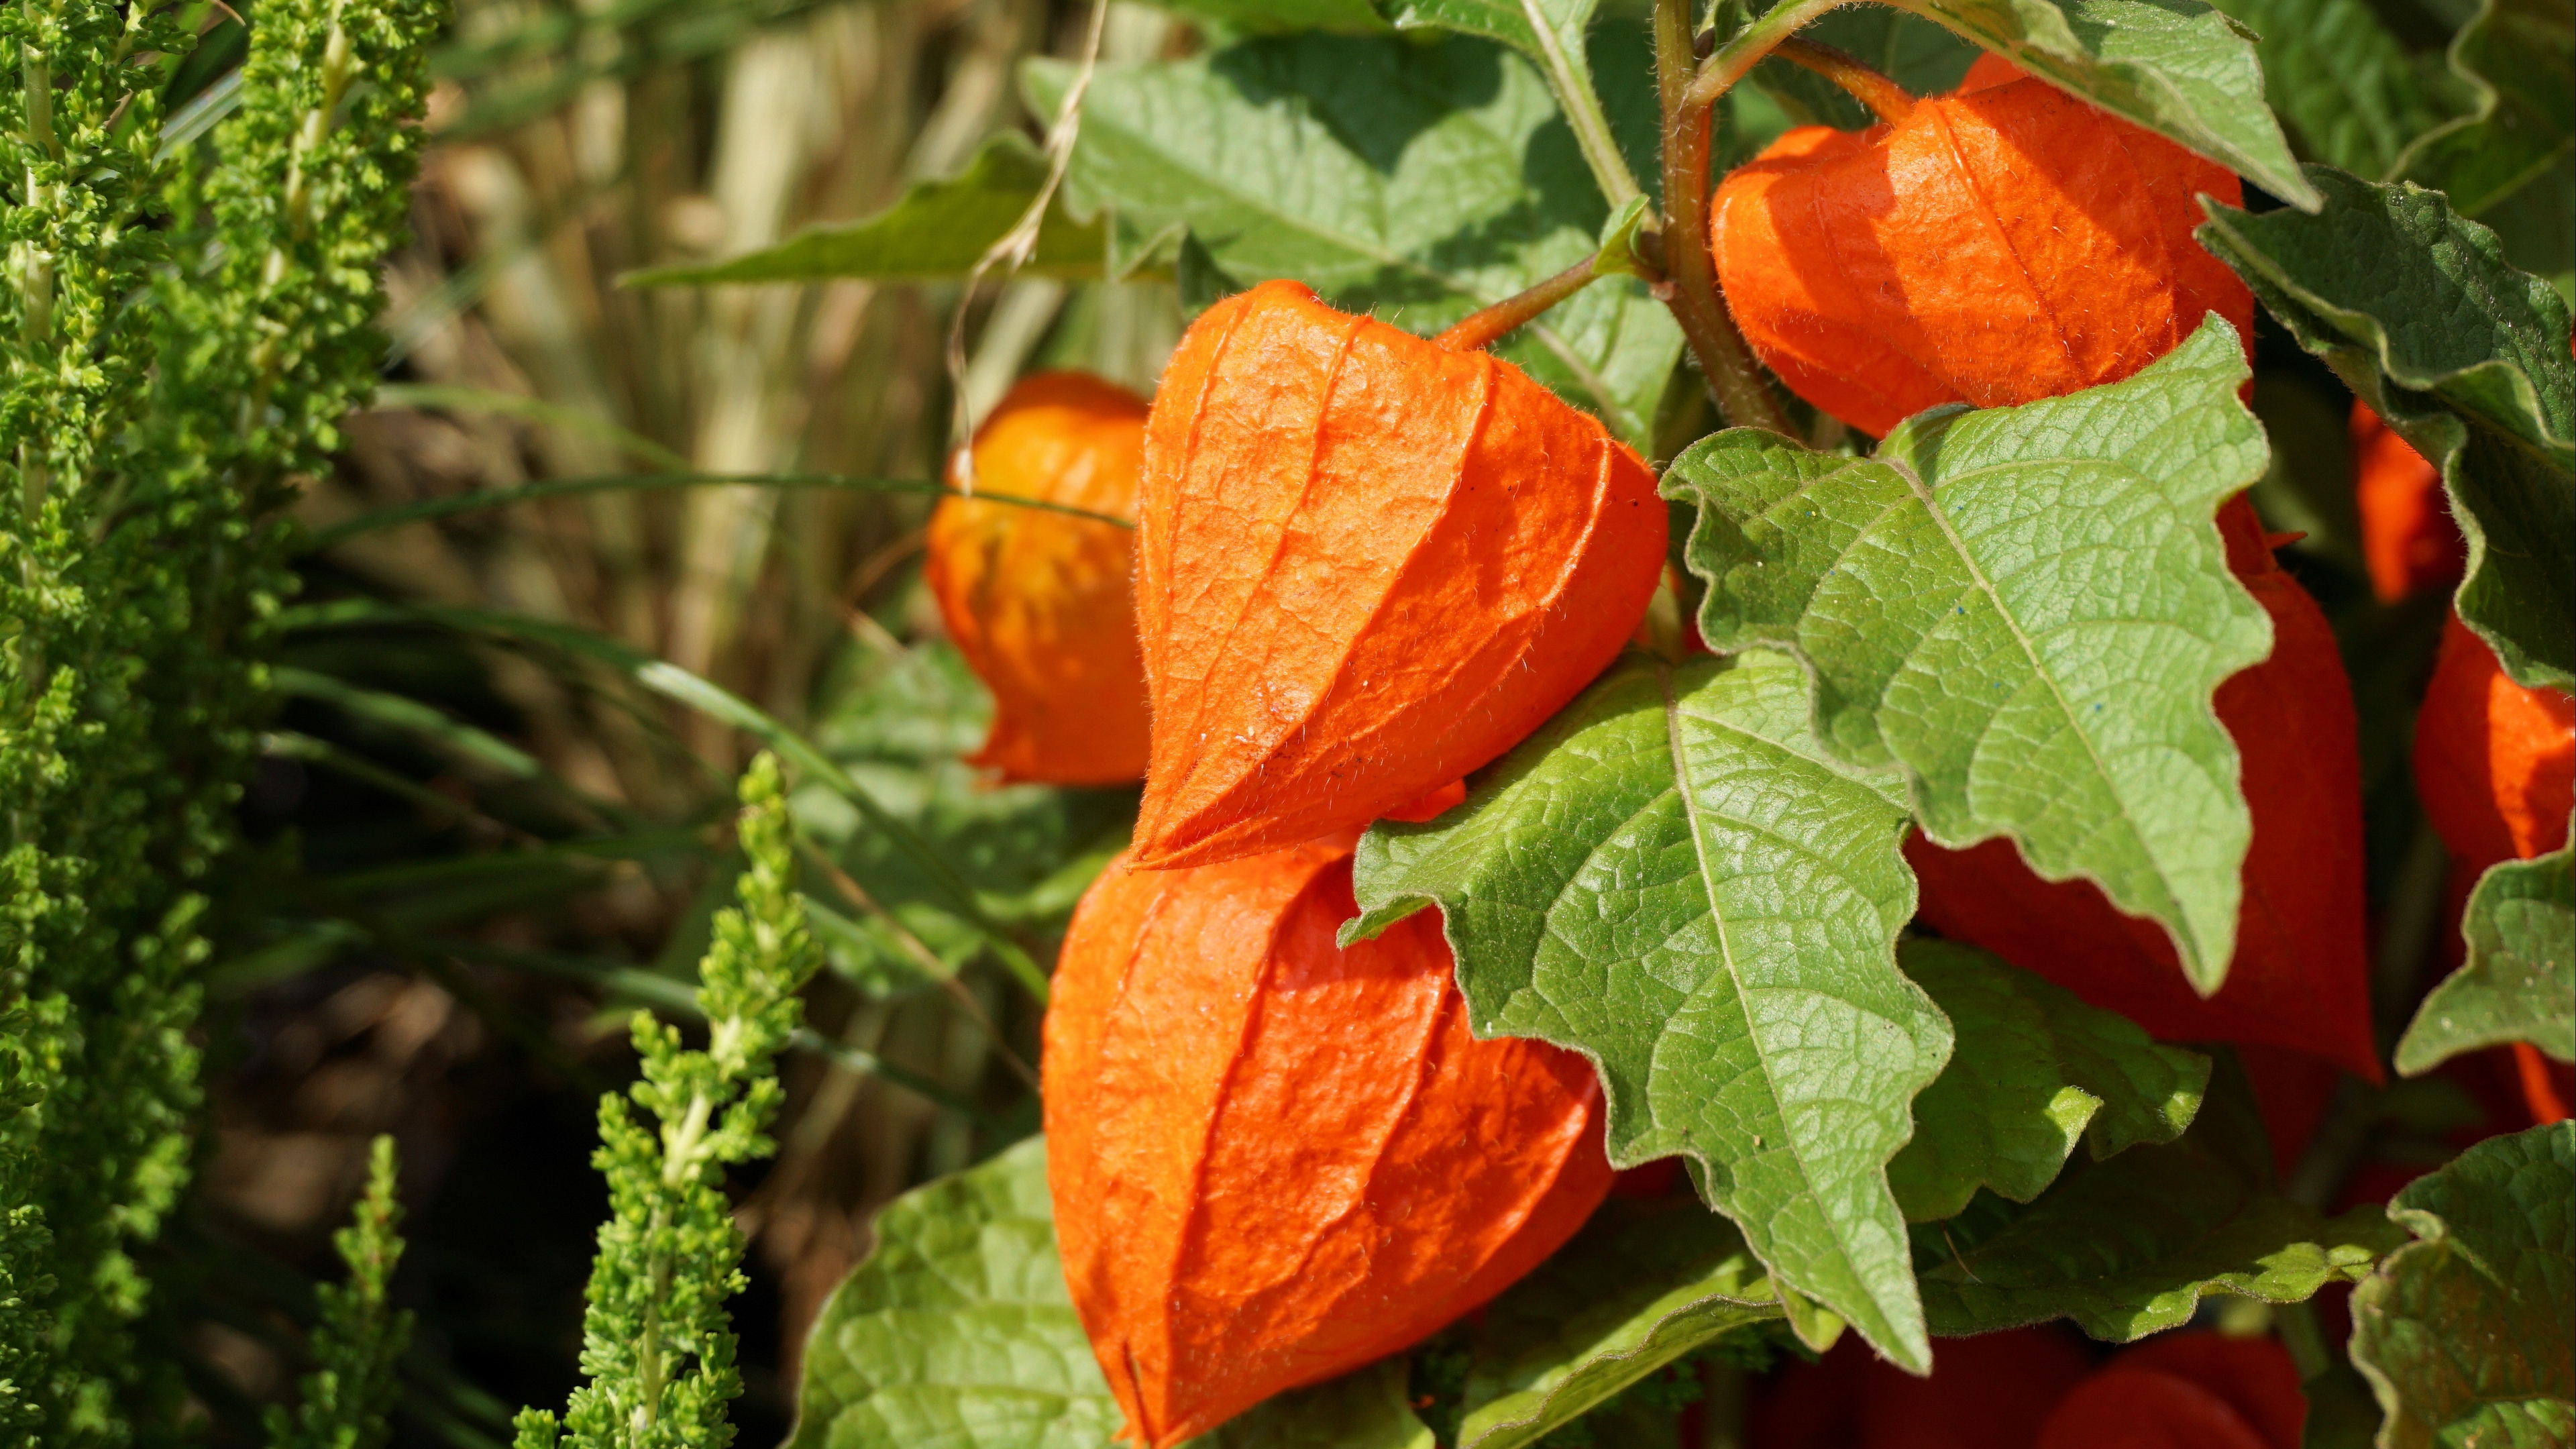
(2003, 244)
(1366, 565)
(1274, 1160)
(1040, 603)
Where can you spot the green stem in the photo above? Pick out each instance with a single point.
(1738, 56)
(1481, 329)
(1886, 99)
(1743, 399)
(1583, 112)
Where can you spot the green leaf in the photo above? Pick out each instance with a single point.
(2348, 90)
(1645, 1282)
(2025, 609)
(2035, 1071)
(2519, 983)
(2469, 1334)
(2176, 67)
(938, 229)
(2127, 1247)
(2417, 311)
(1419, 181)
(956, 1333)
(1671, 878)
(2518, 58)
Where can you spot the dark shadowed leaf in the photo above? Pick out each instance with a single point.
(2518, 57)
(2348, 91)
(2468, 1335)
(2127, 1247)
(2035, 1072)
(2417, 310)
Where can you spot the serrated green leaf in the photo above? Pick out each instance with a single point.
(2468, 1335)
(1644, 1283)
(1419, 181)
(2346, 88)
(938, 229)
(2035, 1071)
(2518, 58)
(956, 1333)
(2027, 610)
(2176, 67)
(2417, 311)
(2519, 982)
(2127, 1247)
(1672, 879)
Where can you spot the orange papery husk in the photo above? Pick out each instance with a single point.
(2190, 1390)
(2495, 762)
(1274, 1160)
(2409, 541)
(2002, 244)
(2300, 977)
(1366, 565)
(1041, 603)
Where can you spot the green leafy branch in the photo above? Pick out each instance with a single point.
(656, 1345)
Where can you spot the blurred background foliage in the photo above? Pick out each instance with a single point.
(479, 840)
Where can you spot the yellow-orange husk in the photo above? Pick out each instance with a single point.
(1041, 603)
(2002, 244)
(1366, 565)
(1274, 1160)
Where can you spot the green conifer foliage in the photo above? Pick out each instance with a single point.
(656, 1342)
(360, 1336)
(181, 333)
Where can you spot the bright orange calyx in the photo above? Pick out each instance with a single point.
(2002, 244)
(1040, 602)
(2300, 977)
(1366, 566)
(1274, 1160)
(2408, 540)
(2494, 762)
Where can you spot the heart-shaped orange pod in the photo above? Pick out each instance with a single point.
(2185, 1391)
(1040, 602)
(1366, 565)
(2408, 541)
(2495, 763)
(1274, 1160)
(2300, 977)
(2001, 244)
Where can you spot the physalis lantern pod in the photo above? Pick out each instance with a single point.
(2002, 244)
(1040, 602)
(1366, 565)
(2495, 762)
(1274, 1160)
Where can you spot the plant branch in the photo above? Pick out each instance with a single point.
(1737, 57)
(1583, 114)
(1734, 379)
(1481, 329)
(1886, 99)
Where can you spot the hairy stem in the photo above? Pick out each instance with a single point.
(1750, 44)
(1583, 114)
(1733, 378)
(1481, 329)
(1886, 99)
